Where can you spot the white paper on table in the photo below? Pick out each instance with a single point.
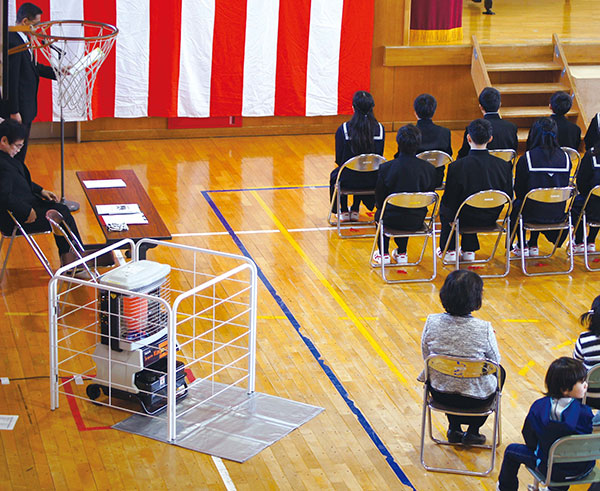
(129, 219)
(105, 183)
(118, 209)
(8, 421)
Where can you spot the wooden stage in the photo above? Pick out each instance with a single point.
(330, 332)
(318, 290)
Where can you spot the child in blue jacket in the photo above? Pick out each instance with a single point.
(558, 414)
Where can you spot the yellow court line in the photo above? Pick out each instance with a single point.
(565, 344)
(363, 318)
(520, 320)
(526, 368)
(271, 317)
(356, 321)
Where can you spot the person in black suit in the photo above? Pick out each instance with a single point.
(592, 134)
(24, 74)
(433, 137)
(25, 199)
(488, 6)
(505, 132)
(404, 174)
(478, 171)
(569, 134)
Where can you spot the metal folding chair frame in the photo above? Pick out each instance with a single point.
(462, 368)
(438, 159)
(490, 198)
(408, 200)
(18, 231)
(575, 159)
(547, 195)
(368, 162)
(595, 191)
(572, 448)
(507, 154)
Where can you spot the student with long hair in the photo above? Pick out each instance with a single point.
(544, 166)
(362, 134)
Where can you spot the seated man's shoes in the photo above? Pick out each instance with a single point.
(455, 436)
(473, 439)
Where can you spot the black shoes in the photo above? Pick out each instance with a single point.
(488, 12)
(473, 439)
(455, 436)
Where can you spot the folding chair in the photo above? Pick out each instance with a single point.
(61, 228)
(19, 231)
(547, 195)
(368, 162)
(583, 220)
(491, 198)
(437, 158)
(572, 448)
(459, 367)
(507, 154)
(593, 380)
(575, 158)
(427, 230)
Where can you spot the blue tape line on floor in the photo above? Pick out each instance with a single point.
(314, 351)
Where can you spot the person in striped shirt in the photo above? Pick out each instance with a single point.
(587, 349)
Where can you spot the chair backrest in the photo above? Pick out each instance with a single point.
(575, 448)
(507, 154)
(490, 198)
(366, 162)
(574, 156)
(460, 367)
(550, 195)
(61, 228)
(411, 200)
(593, 378)
(437, 158)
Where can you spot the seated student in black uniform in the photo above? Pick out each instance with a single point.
(25, 199)
(569, 134)
(362, 134)
(478, 171)
(433, 137)
(544, 166)
(592, 135)
(588, 177)
(404, 174)
(505, 132)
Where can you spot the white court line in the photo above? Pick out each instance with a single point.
(250, 232)
(224, 474)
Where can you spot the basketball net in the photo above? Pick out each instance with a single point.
(75, 49)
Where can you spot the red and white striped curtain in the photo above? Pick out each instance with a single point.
(205, 58)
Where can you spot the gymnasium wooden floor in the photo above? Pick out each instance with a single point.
(321, 308)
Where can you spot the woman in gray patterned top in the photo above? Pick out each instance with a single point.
(458, 333)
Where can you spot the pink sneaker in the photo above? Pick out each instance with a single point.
(534, 251)
(516, 251)
(578, 248)
(591, 248)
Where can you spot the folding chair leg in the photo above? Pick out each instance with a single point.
(12, 238)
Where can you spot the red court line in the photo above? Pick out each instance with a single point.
(72, 400)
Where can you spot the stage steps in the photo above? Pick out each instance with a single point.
(526, 76)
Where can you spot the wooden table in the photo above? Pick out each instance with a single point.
(132, 193)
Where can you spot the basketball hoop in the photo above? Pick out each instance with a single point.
(75, 49)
